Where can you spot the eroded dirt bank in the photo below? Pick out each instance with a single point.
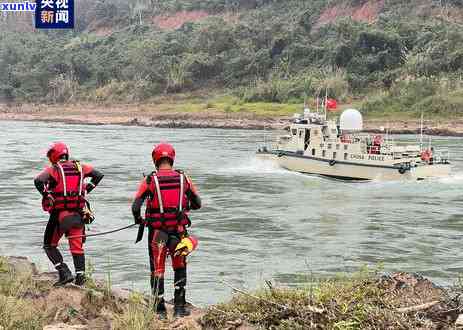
(209, 118)
(28, 300)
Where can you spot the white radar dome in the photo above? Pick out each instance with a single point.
(351, 120)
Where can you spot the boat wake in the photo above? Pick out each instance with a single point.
(454, 178)
(254, 165)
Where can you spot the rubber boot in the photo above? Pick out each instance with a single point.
(80, 279)
(160, 308)
(65, 275)
(79, 266)
(180, 280)
(180, 309)
(157, 289)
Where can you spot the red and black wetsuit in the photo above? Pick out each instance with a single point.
(166, 222)
(67, 198)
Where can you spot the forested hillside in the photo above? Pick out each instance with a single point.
(395, 55)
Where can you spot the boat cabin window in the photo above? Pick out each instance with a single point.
(294, 131)
(337, 147)
(334, 155)
(345, 156)
(324, 153)
(325, 131)
(313, 152)
(329, 145)
(285, 138)
(345, 147)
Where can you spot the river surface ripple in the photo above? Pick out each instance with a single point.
(258, 222)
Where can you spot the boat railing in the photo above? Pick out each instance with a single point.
(442, 156)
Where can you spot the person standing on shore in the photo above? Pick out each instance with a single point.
(63, 188)
(170, 194)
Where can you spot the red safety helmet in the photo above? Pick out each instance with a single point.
(56, 151)
(163, 150)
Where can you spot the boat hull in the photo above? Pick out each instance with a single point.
(354, 171)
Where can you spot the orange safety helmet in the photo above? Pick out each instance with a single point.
(56, 151)
(163, 150)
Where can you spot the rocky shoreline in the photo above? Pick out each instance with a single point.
(28, 300)
(361, 300)
(152, 117)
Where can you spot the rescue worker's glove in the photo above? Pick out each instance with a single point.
(47, 202)
(193, 188)
(87, 216)
(138, 220)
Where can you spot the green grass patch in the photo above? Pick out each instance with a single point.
(258, 108)
(16, 310)
(223, 104)
(137, 316)
(393, 105)
(17, 313)
(363, 300)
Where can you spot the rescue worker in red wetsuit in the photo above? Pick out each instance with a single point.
(170, 194)
(63, 188)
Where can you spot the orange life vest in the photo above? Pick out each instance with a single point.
(68, 194)
(168, 203)
(426, 155)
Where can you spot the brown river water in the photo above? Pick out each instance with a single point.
(258, 222)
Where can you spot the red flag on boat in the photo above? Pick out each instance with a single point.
(331, 104)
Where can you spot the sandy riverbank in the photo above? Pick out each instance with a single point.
(152, 116)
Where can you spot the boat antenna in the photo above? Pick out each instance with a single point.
(326, 99)
(387, 132)
(265, 137)
(421, 131)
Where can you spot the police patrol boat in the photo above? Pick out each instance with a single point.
(340, 150)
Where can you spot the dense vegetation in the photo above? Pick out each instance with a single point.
(408, 57)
